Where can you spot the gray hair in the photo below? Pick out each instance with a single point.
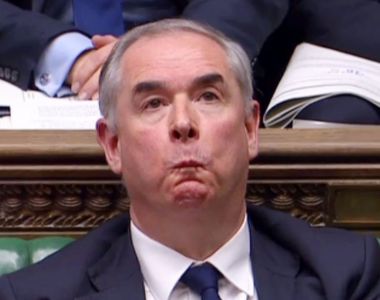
(110, 77)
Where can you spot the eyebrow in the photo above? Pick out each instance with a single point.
(149, 86)
(208, 79)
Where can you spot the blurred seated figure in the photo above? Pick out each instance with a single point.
(349, 27)
(62, 52)
(322, 87)
(59, 46)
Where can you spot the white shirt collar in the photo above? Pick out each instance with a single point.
(158, 261)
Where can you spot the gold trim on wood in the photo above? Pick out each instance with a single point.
(354, 205)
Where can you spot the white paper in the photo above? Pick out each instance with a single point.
(35, 110)
(316, 73)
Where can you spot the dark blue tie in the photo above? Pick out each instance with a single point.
(99, 16)
(203, 280)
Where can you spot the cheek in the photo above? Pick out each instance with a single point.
(232, 140)
(140, 151)
(231, 130)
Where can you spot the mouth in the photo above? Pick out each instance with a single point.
(187, 171)
(187, 164)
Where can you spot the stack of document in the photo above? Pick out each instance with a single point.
(315, 73)
(34, 110)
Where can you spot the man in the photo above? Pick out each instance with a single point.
(180, 128)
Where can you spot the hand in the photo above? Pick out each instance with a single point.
(84, 74)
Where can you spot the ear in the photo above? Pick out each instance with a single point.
(109, 140)
(252, 122)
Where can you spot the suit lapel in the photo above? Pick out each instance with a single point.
(274, 267)
(122, 293)
(117, 275)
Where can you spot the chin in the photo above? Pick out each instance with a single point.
(190, 195)
(189, 202)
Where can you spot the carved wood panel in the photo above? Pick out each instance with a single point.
(80, 207)
(58, 181)
(304, 201)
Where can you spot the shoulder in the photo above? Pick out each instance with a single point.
(294, 232)
(67, 267)
(339, 258)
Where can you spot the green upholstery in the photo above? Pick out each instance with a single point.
(16, 253)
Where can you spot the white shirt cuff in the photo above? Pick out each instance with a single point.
(57, 59)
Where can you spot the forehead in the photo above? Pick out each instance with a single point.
(175, 55)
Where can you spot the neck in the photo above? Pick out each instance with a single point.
(197, 234)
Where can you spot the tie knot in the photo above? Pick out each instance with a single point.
(202, 279)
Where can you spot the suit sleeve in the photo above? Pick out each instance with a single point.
(368, 286)
(23, 37)
(248, 22)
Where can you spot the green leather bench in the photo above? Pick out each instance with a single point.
(16, 253)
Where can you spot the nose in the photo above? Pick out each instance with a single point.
(183, 122)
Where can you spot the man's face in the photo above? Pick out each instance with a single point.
(183, 140)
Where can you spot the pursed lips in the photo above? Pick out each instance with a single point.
(188, 164)
(187, 170)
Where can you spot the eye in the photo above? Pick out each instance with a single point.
(153, 103)
(209, 96)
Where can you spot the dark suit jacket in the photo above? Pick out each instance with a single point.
(290, 260)
(25, 34)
